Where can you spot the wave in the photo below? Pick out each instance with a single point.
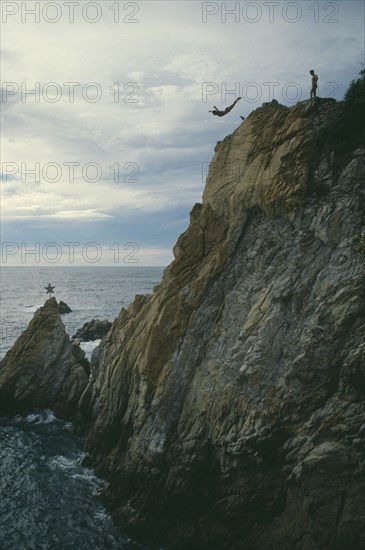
(89, 347)
(65, 463)
(39, 417)
(43, 417)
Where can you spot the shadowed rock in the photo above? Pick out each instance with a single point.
(64, 308)
(43, 369)
(93, 330)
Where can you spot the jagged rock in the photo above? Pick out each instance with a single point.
(64, 308)
(93, 330)
(226, 410)
(43, 369)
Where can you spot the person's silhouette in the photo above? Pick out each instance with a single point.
(217, 112)
(314, 83)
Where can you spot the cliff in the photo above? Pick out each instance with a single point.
(43, 369)
(226, 410)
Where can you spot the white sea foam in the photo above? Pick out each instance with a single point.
(89, 347)
(60, 461)
(43, 417)
(39, 417)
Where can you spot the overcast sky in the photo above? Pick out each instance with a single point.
(106, 135)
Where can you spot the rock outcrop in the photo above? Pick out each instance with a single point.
(93, 330)
(64, 308)
(43, 369)
(226, 410)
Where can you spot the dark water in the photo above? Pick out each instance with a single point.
(48, 500)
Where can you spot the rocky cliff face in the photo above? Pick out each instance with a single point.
(43, 369)
(226, 410)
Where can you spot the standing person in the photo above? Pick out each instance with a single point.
(314, 83)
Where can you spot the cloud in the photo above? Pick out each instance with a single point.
(80, 215)
(150, 129)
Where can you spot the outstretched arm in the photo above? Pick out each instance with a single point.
(217, 112)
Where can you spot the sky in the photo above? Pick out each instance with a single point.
(106, 134)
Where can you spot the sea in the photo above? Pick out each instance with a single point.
(48, 498)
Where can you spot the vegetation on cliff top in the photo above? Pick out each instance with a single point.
(346, 131)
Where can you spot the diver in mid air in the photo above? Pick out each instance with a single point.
(217, 112)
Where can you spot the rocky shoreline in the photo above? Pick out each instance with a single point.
(226, 410)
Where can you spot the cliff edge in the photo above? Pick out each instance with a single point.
(226, 410)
